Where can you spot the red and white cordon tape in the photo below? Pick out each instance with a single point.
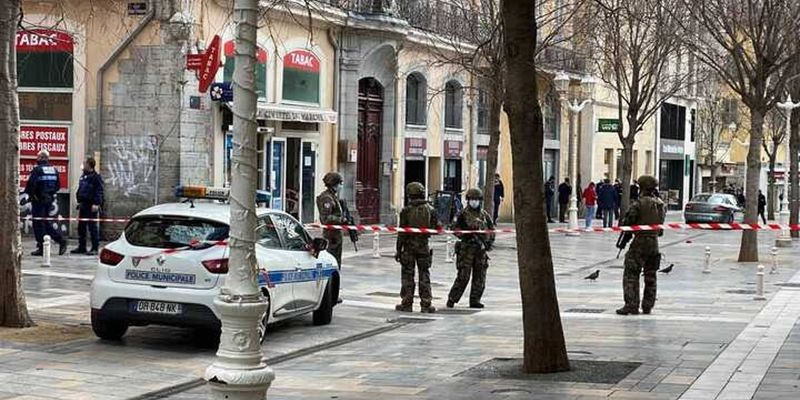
(631, 228)
(429, 231)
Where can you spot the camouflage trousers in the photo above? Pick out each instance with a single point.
(421, 257)
(470, 260)
(335, 241)
(643, 256)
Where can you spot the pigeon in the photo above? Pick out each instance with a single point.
(667, 270)
(594, 275)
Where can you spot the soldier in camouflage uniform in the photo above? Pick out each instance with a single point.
(330, 213)
(471, 250)
(643, 254)
(412, 248)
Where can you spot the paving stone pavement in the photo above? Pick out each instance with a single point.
(698, 319)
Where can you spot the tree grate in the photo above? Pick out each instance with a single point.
(741, 291)
(585, 310)
(410, 320)
(581, 371)
(394, 294)
(457, 311)
(788, 284)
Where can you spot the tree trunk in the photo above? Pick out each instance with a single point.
(714, 168)
(794, 148)
(771, 185)
(495, 107)
(748, 252)
(627, 171)
(544, 346)
(13, 308)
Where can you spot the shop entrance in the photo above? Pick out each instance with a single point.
(452, 175)
(415, 172)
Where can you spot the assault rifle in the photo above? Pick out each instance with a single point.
(622, 241)
(349, 221)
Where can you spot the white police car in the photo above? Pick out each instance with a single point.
(171, 261)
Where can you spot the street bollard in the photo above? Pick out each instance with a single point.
(376, 245)
(760, 284)
(774, 269)
(707, 269)
(46, 245)
(448, 250)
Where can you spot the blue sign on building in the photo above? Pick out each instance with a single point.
(221, 91)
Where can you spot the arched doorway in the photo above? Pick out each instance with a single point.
(370, 116)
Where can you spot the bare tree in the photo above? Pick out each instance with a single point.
(750, 44)
(774, 136)
(13, 308)
(544, 346)
(715, 116)
(473, 43)
(642, 61)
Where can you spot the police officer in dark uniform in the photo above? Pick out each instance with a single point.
(471, 250)
(412, 248)
(90, 198)
(643, 254)
(42, 187)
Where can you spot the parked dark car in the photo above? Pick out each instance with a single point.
(712, 207)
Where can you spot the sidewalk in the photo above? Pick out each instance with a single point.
(707, 336)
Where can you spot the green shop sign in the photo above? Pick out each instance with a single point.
(608, 125)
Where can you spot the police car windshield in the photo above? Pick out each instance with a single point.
(171, 231)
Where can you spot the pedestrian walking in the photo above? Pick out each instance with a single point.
(549, 193)
(607, 202)
(740, 198)
(590, 199)
(598, 211)
(90, 200)
(762, 206)
(471, 251)
(499, 195)
(643, 254)
(564, 190)
(413, 250)
(42, 186)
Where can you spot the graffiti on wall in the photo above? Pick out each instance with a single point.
(130, 163)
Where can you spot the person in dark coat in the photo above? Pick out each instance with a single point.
(607, 199)
(549, 193)
(762, 206)
(564, 190)
(90, 199)
(499, 195)
(635, 190)
(42, 186)
(618, 190)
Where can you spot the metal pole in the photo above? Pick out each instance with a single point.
(784, 237)
(376, 245)
(239, 373)
(448, 250)
(707, 269)
(573, 172)
(774, 269)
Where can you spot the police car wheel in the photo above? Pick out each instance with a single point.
(108, 330)
(324, 314)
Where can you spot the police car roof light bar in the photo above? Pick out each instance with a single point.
(214, 193)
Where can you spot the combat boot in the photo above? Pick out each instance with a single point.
(646, 311)
(427, 309)
(476, 305)
(450, 304)
(625, 311)
(403, 308)
(37, 253)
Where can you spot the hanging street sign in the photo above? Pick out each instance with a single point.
(206, 64)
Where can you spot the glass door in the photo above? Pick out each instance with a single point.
(308, 177)
(277, 172)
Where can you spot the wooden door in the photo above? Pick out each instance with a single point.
(370, 115)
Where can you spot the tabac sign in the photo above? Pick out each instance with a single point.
(205, 64)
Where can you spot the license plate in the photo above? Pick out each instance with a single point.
(151, 276)
(157, 307)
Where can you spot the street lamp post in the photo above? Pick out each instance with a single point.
(784, 238)
(575, 105)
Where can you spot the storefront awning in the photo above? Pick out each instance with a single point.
(277, 112)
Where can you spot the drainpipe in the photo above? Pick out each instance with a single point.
(337, 101)
(98, 133)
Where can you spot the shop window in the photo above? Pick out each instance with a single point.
(453, 99)
(44, 58)
(301, 77)
(229, 50)
(648, 162)
(607, 160)
(550, 118)
(416, 99)
(42, 106)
